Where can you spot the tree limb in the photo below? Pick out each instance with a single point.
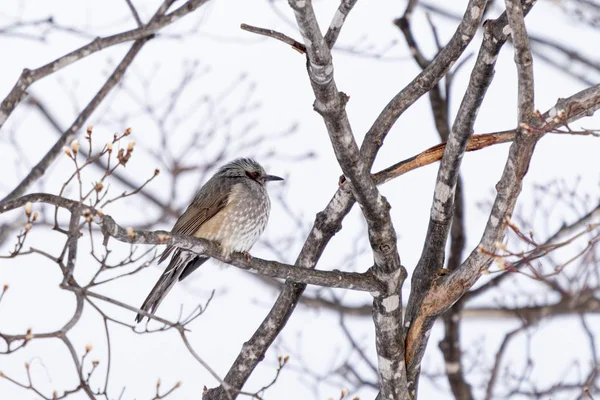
(423, 82)
(28, 77)
(523, 59)
(349, 280)
(330, 104)
(446, 290)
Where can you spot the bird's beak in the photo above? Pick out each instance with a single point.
(272, 178)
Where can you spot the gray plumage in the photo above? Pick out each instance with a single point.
(232, 208)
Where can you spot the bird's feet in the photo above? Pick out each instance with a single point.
(246, 255)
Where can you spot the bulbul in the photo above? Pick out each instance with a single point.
(232, 209)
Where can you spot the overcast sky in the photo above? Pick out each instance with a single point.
(275, 76)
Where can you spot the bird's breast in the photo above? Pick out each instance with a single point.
(240, 223)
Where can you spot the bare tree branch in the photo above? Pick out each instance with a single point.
(299, 47)
(330, 104)
(70, 134)
(446, 290)
(432, 256)
(28, 77)
(134, 12)
(424, 82)
(564, 232)
(328, 222)
(349, 280)
(440, 104)
(338, 22)
(523, 60)
(124, 179)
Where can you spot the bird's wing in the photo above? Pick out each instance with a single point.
(205, 205)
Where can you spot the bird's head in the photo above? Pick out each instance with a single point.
(247, 168)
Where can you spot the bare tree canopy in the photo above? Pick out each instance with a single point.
(466, 134)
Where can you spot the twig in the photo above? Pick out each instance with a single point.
(71, 133)
(28, 77)
(330, 104)
(299, 47)
(338, 22)
(523, 59)
(134, 13)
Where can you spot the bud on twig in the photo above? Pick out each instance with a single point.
(156, 171)
(75, 146)
(130, 146)
(28, 208)
(35, 216)
(28, 227)
(127, 132)
(123, 157)
(67, 152)
(109, 146)
(88, 348)
(99, 186)
(162, 238)
(525, 128)
(131, 233)
(500, 262)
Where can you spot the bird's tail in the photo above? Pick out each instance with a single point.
(164, 284)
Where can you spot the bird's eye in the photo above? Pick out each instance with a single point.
(252, 174)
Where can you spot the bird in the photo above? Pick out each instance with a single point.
(232, 208)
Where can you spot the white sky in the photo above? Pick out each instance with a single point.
(285, 97)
